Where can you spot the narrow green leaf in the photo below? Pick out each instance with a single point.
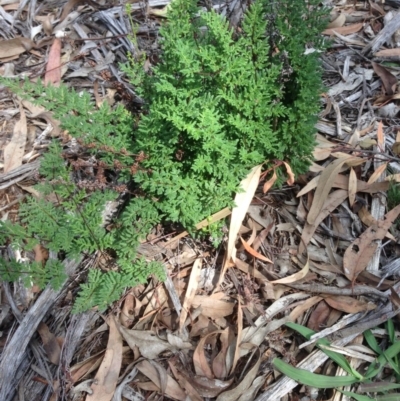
(356, 396)
(312, 379)
(335, 356)
(377, 387)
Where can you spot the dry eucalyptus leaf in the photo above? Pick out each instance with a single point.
(344, 30)
(107, 376)
(348, 304)
(15, 150)
(388, 79)
(337, 22)
(14, 47)
(157, 374)
(325, 184)
(360, 252)
(149, 344)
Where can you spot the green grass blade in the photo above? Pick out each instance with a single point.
(312, 379)
(357, 397)
(336, 357)
(390, 353)
(377, 387)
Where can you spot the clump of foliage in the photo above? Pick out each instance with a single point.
(217, 104)
(370, 381)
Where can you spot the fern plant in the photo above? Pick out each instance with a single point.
(217, 104)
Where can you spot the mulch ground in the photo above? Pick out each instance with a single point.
(322, 252)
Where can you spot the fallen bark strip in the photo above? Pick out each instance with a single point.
(15, 351)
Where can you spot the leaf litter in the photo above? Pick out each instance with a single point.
(221, 342)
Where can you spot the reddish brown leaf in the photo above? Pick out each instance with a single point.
(107, 376)
(348, 304)
(50, 343)
(360, 252)
(388, 79)
(53, 69)
(319, 316)
(254, 253)
(344, 30)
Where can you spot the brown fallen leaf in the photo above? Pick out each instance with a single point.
(334, 199)
(165, 383)
(388, 53)
(219, 367)
(50, 343)
(344, 30)
(107, 376)
(53, 68)
(213, 306)
(303, 307)
(235, 393)
(367, 218)
(388, 79)
(209, 388)
(81, 369)
(325, 184)
(201, 365)
(294, 277)
(396, 145)
(149, 344)
(360, 252)
(254, 253)
(319, 316)
(238, 337)
(352, 186)
(337, 22)
(190, 291)
(15, 150)
(14, 47)
(184, 381)
(348, 304)
(242, 202)
(268, 184)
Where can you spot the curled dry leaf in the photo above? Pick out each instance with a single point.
(294, 277)
(325, 184)
(337, 22)
(349, 304)
(157, 374)
(367, 218)
(352, 186)
(195, 277)
(213, 305)
(200, 362)
(149, 344)
(388, 79)
(13, 47)
(396, 145)
(242, 202)
(268, 184)
(290, 180)
(219, 367)
(360, 252)
(15, 150)
(107, 376)
(377, 173)
(235, 393)
(209, 388)
(344, 30)
(185, 382)
(254, 253)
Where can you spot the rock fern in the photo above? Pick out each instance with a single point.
(217, 103)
